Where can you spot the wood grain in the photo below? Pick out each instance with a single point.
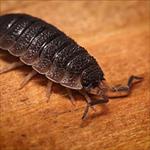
(117, 34)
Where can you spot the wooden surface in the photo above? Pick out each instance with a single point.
(118, 35)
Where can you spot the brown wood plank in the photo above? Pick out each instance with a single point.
(117, 34)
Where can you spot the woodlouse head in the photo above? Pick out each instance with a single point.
(93, 80)
(99, 90)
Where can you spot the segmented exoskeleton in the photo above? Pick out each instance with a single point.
(52, 53)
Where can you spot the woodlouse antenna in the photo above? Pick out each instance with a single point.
(123, 90)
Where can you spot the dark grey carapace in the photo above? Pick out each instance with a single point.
(52, 53)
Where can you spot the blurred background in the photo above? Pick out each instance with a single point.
(80, 18)
(117, 34)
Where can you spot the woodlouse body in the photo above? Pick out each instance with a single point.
(49, 51)
(52, 53)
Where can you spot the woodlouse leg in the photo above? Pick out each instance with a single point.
(123, 90)
(11, 67)
(49, 90)
(92, 103)
(27, 78)
(72, 99)
(89, 101)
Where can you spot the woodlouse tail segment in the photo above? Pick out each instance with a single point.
(123, 90)
(11, 67)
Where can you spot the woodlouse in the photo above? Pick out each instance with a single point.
(52, 53)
